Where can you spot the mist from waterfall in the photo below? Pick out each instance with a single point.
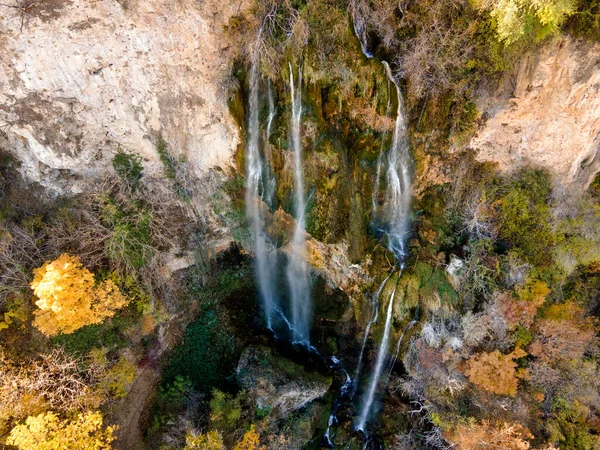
(260, 186)
(297, 268)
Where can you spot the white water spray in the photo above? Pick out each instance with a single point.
(297, 269)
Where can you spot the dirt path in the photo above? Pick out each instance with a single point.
(129, 415)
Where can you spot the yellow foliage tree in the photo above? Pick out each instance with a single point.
(48, 432)
(69, 298)
(496, 372)
(250, 441)
(209, 441)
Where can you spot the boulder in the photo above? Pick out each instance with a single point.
(278, 384)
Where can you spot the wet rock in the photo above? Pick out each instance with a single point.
(277, 383)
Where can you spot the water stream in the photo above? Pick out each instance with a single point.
(377, 370)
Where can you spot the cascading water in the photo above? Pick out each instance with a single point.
(394, 217)
(360, 29)
(344, 389)
(257, 190)
(297, 269)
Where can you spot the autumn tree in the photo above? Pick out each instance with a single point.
(69, 298)
(496, 372)
(47, 432)
(51, 381)
(208, 441)
(484, 435)
(250, 441)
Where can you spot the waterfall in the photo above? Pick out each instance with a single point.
(297, 269)
(394, 216)
(381, 355)
(257, 182)
(360, 29)
(396, 211)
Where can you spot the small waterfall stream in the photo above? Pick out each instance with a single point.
(260, 185)
(297, 269)
(377, 370)
(372, 320)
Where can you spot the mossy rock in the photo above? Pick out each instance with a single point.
(276, 382)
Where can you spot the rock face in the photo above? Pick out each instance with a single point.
(80, 79)
(550, 116)
(278, 384)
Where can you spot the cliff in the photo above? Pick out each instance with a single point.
(80, 80)
(547, 114)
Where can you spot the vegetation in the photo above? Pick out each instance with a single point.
(518, 334)
(496, 309)
(69, 298)
(46, 432)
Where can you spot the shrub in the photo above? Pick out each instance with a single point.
(250, 441)
(527, 19)
(118, 378)
(166, 158)
(129, 168)
(208, 441)
(524, 217)
(226, 411)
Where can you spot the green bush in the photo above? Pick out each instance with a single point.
(129, 168)
(110, 334)
(166, 158)
(130, 242)
(226, 411)
(585, 23)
